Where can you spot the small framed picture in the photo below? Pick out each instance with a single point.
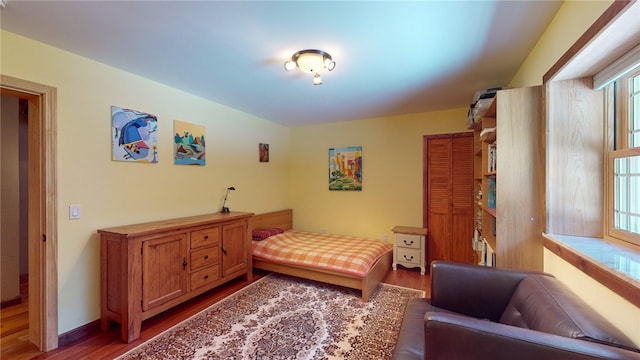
(263, 152)
(345, 168)
(188, 143)
(134, 136)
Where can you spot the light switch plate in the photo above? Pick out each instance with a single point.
(74, 212)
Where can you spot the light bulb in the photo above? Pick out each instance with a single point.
(329, 64)
(289, 65)
(317, 80)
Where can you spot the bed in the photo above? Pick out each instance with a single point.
(339, 273)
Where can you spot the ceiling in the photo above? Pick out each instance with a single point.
(392, 57)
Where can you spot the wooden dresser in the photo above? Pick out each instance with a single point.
(150, 267)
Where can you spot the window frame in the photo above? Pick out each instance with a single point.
(606, 41)
(618, 113)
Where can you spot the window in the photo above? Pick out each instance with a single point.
(624, 160)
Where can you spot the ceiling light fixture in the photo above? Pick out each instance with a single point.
(311, 61)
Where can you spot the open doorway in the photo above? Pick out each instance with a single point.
(40, 100)
(14, 269)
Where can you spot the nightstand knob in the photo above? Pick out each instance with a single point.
(408, 258)
(408, 243)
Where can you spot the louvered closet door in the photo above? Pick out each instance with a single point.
(448, 206)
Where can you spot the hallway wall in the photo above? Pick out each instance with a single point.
(9, 199)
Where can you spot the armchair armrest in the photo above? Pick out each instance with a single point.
(473, 290)
(453, 336)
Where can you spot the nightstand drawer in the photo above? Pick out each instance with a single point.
(409, 247)
(408, 241)
(409, 256)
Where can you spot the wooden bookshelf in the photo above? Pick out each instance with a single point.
(510, 173)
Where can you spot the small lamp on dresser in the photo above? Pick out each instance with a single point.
(225, 209)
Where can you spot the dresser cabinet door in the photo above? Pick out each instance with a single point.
(164, 270)
(234, 248)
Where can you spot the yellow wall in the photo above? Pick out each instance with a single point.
(117, 193)
(392, 167)
(620, 312)
(391, 172)
(10, 201)
(571, 21)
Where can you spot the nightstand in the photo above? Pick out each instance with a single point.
(409, 248)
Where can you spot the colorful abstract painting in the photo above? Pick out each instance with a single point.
(345, 168)
(134, 135)
(189, 144)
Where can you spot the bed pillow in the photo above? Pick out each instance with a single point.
(263, 233)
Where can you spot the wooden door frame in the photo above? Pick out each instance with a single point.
(42, 214)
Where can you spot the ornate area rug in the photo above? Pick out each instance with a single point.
(282, 317)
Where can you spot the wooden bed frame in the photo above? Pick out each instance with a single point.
(284, 219)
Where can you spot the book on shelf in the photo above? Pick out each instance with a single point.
(492, 157)
(491, 192)
(487, 133)
(488, 257)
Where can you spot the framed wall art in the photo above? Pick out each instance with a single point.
(263, 152)
(189, 144)
(134, 135)
(345, 168)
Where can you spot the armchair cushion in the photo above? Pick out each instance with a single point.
(478, 291)
(454, 336)
(477, 312)
(543, 304)
(410, 343)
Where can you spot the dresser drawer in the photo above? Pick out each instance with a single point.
(408, 256)
(408, 241)
(204, 277)
(205, 237)
(204, 257)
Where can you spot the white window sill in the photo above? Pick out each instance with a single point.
(615, 265)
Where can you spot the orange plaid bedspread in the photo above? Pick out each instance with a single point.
(346, 254)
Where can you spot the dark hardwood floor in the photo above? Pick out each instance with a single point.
(14, 326)
(108, 345)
